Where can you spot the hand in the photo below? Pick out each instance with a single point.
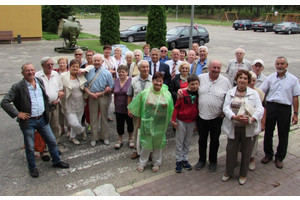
(295, 119)
(174, 124)
(130, 114)
(55, 102)
(241, 119)
(263, 127)
(81, 72)
(179, 94)
(93, 95)
(99, 94)
(107, 90)
(24, 116)
(195, 129)
(61, 94)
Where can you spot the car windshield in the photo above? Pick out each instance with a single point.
(134, 28)
(257, 22)
(174, 31)
(284, 24)
(236, 21)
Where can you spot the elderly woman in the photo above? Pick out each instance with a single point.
(119, 57)
(154, 107)
(89, 57)
(78, 54)
(243, 111)
(120, 99)
(129, 63)
(182, 55)
(260, 123)
(73, 102)
(180, 80)
(138, 55)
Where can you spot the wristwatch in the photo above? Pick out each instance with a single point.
(296, 113)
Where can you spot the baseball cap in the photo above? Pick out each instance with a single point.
(258, 61)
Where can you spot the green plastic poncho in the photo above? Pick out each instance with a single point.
(155, 110)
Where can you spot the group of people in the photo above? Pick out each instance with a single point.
(149, 94)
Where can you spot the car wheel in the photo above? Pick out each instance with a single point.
(254, 30)
(265, 30)
(245, 28)
(236, 28)
(173, 45)
(130, 38)
(276, 32)
(201, 42)
(289, 32)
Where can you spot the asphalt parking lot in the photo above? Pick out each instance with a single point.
(91, 167)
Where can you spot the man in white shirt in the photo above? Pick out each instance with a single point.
(174, 63)
(191, 56)
(283, 91)
(54, 89)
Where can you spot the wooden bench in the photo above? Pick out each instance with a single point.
(6, 35)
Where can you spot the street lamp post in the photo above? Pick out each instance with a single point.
(191, 31)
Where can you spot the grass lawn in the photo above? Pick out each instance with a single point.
(52, 36)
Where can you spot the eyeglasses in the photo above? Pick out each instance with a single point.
(78, 54)
(163, 51)
(50, 64)
(239, 53)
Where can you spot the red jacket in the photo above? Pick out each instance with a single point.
(184, 110)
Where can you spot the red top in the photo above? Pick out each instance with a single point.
(184, 109)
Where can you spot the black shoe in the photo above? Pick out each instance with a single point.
(46, 158)
(59, 152)
(186, 165)
(61, 165)
(178, 168)
(199, 165)
(34, 173)
(213, 167)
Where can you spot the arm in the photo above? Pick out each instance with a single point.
(296, 108)
(175, 113)
(93, 95)
(129, 99)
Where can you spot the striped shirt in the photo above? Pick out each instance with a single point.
(212, 96)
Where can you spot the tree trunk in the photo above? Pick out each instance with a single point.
(219, 8)
(251, 8)
(212, 10)
(257, 9)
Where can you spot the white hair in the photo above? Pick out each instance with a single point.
(142, 61)
(45, 59)
(96, 55)
(203, 47)
(78, 50)
(253, 75)
(129, 53)
(240, 49)
(119, 49)
(138, 51)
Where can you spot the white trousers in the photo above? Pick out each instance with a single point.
(74, 121)
(184, 135)
(156, 157)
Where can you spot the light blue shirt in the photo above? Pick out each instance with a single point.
(103, 79)
(37, 99)
(199, 67)
(164, 60)
(148, 58)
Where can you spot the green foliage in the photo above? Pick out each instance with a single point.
(52, 14)
(157, 27)
(109, 25)
(52, 36)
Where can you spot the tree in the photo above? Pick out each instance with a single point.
(157, 27)
(51, 15)
(109, 25)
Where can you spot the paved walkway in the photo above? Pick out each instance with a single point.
(264, 180)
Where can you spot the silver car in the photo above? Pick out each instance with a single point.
(287, 27)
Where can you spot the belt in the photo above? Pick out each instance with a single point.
(38, 117)
(277, 104)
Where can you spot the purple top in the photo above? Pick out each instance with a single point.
(120, 96)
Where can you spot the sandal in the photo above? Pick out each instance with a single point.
(131, 144)
(155, 168)
(118, 145)
(140, 168)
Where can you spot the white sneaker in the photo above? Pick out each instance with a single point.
(93, 143)
(252, 166)
(84, 134)
(106, 141)
(74, 140)
(242, 180)
(225, 177)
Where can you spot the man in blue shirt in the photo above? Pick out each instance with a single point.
(201, 65)
(164, 54)
(31, 107)
(146, 55)
(98, 90)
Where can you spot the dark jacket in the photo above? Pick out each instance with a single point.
(19, 95)
(164, 68)
(174, 87)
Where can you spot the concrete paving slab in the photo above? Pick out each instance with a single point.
(106, 190)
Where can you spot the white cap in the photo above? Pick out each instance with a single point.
(258, 61)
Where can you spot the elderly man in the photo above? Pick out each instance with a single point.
(146, 55)
(78, 54)
(54, 89)
(200, 66)
(163, 54)
(155, 65)
(99, 84)
(257, 68)
(191, 56)
(31, 107)
(89, 57)
(138, 84)
(283, 91)
(237, 64)
(195, 47)
(174, 63)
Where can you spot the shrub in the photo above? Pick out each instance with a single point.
(109, 25)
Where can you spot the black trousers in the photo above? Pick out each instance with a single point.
(281, 114)
(121, 118)
(205, 127)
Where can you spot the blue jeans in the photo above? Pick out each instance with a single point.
(46, 133)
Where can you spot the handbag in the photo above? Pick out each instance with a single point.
(39, 142)
(86, 95)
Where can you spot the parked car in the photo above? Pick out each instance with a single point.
(245, 24)
(179, 36)
(287, 27)
(264, 26)
(134, 33)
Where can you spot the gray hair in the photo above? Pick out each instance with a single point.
(240, 49)
(142, 61)
(119, 49)
(129, 53)
(156, 49)
(253, 75)
(45, 59)
(282, 57)
(96, 55)
(138, 51)
(78, 51)
(25, 64)
(203, 47)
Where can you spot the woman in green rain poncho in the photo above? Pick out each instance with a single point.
(154, 107)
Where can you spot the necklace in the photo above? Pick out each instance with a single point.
(240, 90)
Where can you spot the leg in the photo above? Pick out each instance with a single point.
(203, 130)
(129, 125)
(180, 135)
(187, 140)
(232, 149)
(271, 119)
(103, 104)
(120, 118)
(215, 131)
(87, 112)
(74, 123)
(54, 123)
(247, 147)
(108, 108)
(144, 157)
(157, 157)
(135, 122)
(28, 135)
(94, 108)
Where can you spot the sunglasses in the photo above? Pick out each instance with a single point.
(163, 51)
(78, 54)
